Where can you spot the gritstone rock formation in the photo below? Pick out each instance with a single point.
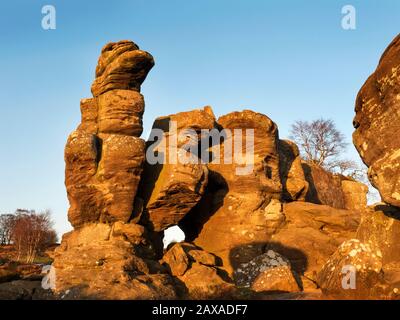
(377, 141)
(256, 217)
(334, 190)
(232, 211)
(375, 252)
(104, 156)
(376, 133)
(170, 189)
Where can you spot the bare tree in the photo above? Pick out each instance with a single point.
(7, 222)
(322, 144)
(32, 233)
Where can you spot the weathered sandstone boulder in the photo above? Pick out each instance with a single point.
(204, 282)
(354, 271)
(376, 132)
(243, 170)
(355, 195)
(380, 226)
(373, 256)
(325, 187)
(334, 190)
(171, 187)
(376, 140)
(294, 184)
(267, 272)
(198, 271)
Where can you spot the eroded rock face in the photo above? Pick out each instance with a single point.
(375, 135)
(380, 226)
(325, 187)
(99, 262)
(294, 184)
(170, 189)
(259, 174)
(311, 235)
(355, 195)
(232, 212)
(245, 210)
(334, 190)
(102, 190)
(120, 112)
(104, 157)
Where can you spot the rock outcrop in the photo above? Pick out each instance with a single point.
(256, 218)
(311, 234)
(294, 184)
(334, 190)
(376, 132)
(104, 157)
(380, 226)
(102, 261)
(174, 185)
(232, 211)
(123, 66)
(374, 254)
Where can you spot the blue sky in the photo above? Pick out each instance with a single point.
(290, 60)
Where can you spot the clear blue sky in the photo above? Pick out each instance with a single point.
(288, 59)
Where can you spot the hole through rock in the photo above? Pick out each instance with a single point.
(173, 234)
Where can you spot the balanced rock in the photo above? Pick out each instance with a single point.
(376, 135)
(121, 66)
(104, 157)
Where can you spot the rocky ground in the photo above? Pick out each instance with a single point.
(19, 280)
